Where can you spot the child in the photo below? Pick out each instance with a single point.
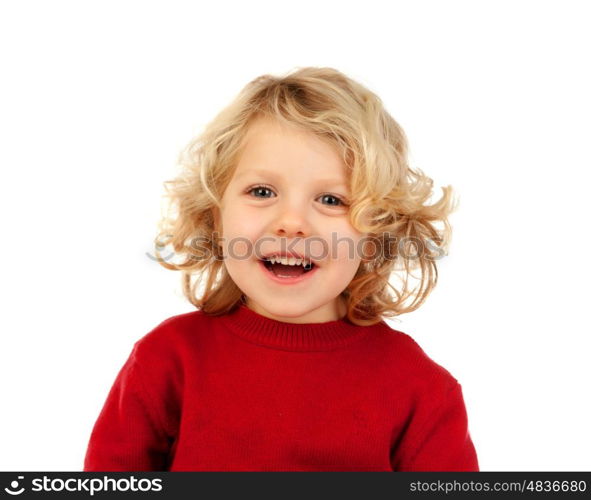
(297, 205)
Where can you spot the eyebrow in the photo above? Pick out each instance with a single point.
(271, 173)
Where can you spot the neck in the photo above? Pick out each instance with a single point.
(288, 336)
(332, 311)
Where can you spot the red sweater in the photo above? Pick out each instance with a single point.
(243, 392)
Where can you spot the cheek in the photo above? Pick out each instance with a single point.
(240, 232)
(238, 223)
(342, 270)
(347, 263)
(345, 245)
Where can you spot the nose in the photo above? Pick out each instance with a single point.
(291, 222)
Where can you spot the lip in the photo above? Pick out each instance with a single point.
(287, 281)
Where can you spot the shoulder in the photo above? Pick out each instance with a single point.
(171, 337)
(411, 362)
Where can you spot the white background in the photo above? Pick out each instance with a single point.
(98, 98)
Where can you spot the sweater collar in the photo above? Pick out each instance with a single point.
(272, 333)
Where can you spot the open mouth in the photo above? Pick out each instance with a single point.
(287, 271)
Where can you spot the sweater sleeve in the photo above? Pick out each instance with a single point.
(438, 440)
(128, 434)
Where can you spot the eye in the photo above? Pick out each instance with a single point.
(338, 201)
(260, 190)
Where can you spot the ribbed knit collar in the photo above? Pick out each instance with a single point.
(275, 334)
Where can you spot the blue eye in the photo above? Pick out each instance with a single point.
(339, 202)
(261, 189)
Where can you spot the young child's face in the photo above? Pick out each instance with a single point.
(303, 178)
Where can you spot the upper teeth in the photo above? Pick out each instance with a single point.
(288, 261)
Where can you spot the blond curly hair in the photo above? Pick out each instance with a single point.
(388, 198)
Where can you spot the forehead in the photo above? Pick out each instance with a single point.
(275, 146)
